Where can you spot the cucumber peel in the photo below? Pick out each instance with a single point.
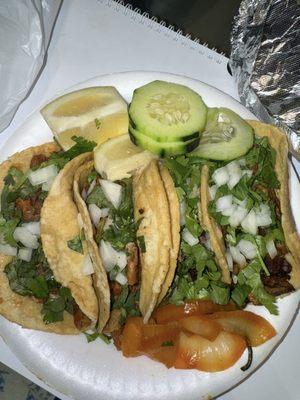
(226, 136)
(167, 112)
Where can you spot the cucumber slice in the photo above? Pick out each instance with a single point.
(159, 148)
(167, 112)
(226, 136)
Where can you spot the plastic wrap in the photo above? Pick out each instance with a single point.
(265, 61)
(25, 30)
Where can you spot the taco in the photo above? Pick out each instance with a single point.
(41, 286)
(248, 202)
(128, 231)
(195, 272)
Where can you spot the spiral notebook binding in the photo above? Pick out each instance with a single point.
(158, 24)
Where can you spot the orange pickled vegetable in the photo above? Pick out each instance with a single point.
(171, 312)
(197, 352)
(255, 328)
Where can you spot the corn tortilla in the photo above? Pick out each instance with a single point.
(100, 275)
(25, 310)
(59, 224)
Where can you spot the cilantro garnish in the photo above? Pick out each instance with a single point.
(167, 343)
(98, 197)
(142, 244)
(75, 244)
(61, 158)
(91, 337)
(35, 278)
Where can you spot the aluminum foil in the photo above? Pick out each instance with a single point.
(265, 61)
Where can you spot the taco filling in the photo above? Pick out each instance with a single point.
(245, 204)
(198, 275)
(28, 272)
(111, 212)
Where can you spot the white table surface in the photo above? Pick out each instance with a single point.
(88, 42)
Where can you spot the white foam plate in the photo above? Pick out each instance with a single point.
(96, 370)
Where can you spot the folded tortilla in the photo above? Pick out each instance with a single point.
(151, 206)
(278, 141)
(26, 310)
(100, 276)
(59, 224)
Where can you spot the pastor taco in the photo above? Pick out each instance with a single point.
(248, 203)
(195, 272)
(127, 227)
(40, 280)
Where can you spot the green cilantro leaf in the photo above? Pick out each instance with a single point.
(75, 244)
(167, 343)
(141, 242)
(61, 158)
(91, 337)
(98, 197)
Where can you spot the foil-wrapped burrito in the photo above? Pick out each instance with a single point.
(265, 61)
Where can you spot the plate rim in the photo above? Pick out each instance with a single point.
(170, 75)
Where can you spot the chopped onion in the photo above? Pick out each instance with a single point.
(182, 213)
(237, 255)
(229, 211)
(263, 216)
(104, 212)
(234, 180)
(195, 191)
(207, 242)
(92, 185)
(189, 238)
(25, 254)
(224, 202)
(42, 175)
(33, 227)
(212, 191)
(121, 259)
(8, 250)
(237, 217)
(112, 257)
(220, 176)
(108, 255)
(83, 194)
(249, 223)
(112, 191)
(235, 173)
(121, 278)
(108, 223)
(271, 248)
(95, 213)
(25, 237)
(87, 266)
(263, 220)
(248, 249)
(229, 260)
(247, 172)
(46, 186)
(240, 202)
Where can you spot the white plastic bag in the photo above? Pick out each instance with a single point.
(25, 30)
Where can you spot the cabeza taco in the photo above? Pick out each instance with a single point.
(43, 282)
